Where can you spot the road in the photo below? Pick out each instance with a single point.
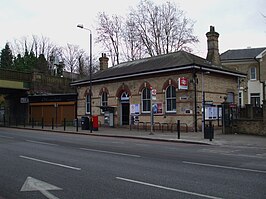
(36, 164)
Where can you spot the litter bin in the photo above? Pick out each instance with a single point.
(85, 123)
(95, 124)
(209, 132)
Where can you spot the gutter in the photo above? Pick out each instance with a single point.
(160, 71)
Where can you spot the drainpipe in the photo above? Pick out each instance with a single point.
(262, 82)
(195, 101)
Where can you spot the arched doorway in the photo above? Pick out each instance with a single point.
(125, 108)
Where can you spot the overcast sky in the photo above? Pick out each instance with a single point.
(240, 23)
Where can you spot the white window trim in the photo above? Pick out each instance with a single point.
(251, 73)
(143, 103)
(102, 98)
(242, 98)
(86, 103)
(172, 111)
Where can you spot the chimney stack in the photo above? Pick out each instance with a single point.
(213, 55)
(103, 62)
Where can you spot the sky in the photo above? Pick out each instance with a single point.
(240, 23)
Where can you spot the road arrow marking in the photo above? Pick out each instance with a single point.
(32, 184)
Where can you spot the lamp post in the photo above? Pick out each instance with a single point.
(90, 72)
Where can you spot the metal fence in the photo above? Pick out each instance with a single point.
(249, 112)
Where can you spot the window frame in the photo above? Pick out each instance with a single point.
(240, 98)
(146, 100)
(104, 99)
(231, 97)
(253, 73)
(255, 99)
(88, 104)
(172, 99)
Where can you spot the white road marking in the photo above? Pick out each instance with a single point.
(117, 142)
(261, 154)
(3, 136)
(32, 184)
(52, 163)
(244, 155)
(167, 188)
(144, 145)
(37, 142)
(224, 167)
(110, 152)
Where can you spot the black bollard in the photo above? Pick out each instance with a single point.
(77, 124)
(42, 122)
(178, 129)
(211, 130)
(64, 124)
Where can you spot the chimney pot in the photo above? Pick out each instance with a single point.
(212, 29)
(103, 62)
(213, 55)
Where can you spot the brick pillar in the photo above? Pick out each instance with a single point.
(249, 108)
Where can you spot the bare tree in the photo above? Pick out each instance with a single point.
(70, 53)
(40, 46)
(86, 65)
(132, 48)
(109, 32)
(82, 68)
(149, 30)
(164, 28)
(35, 44)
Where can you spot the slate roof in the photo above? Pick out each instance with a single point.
(238, 54)
(158, 64)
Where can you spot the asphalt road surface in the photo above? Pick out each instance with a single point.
(36, 164)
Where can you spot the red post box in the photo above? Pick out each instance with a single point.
(95, 124)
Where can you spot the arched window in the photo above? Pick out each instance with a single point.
(170, 99)
(88, 104)
(124, 96)
(230, 97)
(146, 100)
(104, 99)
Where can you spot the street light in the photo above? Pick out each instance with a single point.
(90, 72)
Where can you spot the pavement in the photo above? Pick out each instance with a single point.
(221, 139)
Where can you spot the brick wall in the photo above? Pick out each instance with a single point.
(253, 127)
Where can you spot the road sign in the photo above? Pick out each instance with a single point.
(24, 100)
(153, 92)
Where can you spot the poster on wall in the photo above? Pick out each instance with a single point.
(211, 113)
(157, 108)
(183, 83)
(134, 109)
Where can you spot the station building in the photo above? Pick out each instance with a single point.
(175, 86)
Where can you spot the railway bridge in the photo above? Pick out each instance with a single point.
(16, 87)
